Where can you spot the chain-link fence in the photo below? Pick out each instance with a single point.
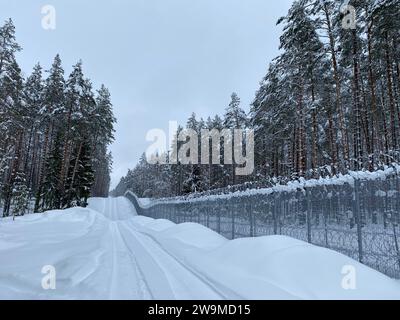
(359, 219)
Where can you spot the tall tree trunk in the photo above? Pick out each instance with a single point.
(294, 151)
(76, 165)
(42, 163)
(339, 107)
(376, 134)
(314, 152)
(366, 127)
(295, 169)
(32, 133)
(64, 162)
(33, 162)
(358, 151)
(386, 134)
(390, 94)
(332, 142)
(301, 152)
(396, 61)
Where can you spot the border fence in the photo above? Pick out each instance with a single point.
(357, 217)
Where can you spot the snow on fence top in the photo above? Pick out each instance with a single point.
(293, 186)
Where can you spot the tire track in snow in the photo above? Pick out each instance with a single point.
(126, 279)
(187, 283)
(157, 273)
(114, 279)
(230, 293)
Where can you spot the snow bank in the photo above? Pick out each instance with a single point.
(274, 267)
(107, 252)
(194, 235)
(69, 240)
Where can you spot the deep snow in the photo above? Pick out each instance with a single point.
(106, 251)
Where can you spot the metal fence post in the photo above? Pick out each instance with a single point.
(254, 213)
(325, 217)
(396, 218)
(275, 214)
(208, 214)
(233, 222)
(308, 216)
(249, 208)
(357, 214)
(199, 214)
(219, 221)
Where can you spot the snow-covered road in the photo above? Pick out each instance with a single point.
(150, 269)
(106, 251)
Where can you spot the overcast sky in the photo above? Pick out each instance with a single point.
(161, 59)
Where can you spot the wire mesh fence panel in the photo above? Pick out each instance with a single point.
(359, 219)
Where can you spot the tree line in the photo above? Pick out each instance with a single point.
(55, 134)
(165, 180)
(329, 103)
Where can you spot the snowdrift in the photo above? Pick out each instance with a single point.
(107, 252)
(273, 267)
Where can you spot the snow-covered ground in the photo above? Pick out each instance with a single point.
(106, 251)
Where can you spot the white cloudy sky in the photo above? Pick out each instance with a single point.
(161, 59)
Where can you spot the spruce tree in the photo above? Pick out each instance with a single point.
(20, 196)
(50, 198)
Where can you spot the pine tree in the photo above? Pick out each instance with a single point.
(103, 122)
(52, 114)
(33, 95)
(8, 45)
(235, 118)
(8, 48)
(45, 124)
(302, 49)
(15, 113)
(74, 93)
